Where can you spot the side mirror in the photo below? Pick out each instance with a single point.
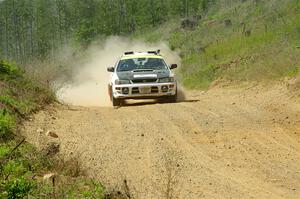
(111, 69)
(173, 66)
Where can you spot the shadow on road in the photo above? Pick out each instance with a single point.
(181, 98)
(152, 102)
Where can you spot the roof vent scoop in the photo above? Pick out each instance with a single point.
(154, 52)
(129, 53)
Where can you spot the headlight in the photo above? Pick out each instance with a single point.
(119, 81)
(166, 79)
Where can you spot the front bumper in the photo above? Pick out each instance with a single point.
(144, 91)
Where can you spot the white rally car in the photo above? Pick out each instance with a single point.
(142, 76)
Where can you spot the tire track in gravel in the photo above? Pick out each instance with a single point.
(214, 168)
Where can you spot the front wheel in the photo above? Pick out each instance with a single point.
(117, 102)
(172, 98)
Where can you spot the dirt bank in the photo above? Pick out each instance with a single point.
(225, 143)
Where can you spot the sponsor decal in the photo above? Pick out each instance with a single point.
(145, 76)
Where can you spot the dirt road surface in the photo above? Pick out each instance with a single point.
(224, 143)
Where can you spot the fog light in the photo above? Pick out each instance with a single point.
(164, 89)
(125, 90)
(118, 90)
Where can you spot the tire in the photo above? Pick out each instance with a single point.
(173, 98)
(170, 99)
(116, 102)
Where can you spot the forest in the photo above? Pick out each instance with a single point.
(34, 29)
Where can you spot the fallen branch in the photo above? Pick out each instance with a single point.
(11, 152)
(8, 157)
(18, 145)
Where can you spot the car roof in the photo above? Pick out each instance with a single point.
(133, 55)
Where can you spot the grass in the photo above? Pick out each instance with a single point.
(265, 54)
(212, 50)
(7, 125)
(22, 168)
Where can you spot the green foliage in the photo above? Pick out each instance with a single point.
(15, 168)
(35, 29)
(18, 167)
(19, 107)
(206, 3)
(214, 50)
(97, 190)
(7, 125)
(4, 150)
(292, 72)
(20, 96)
(85, 33)
(201, 79)
(8, 68)
(17, 188)
(176, 40)
(83, 188)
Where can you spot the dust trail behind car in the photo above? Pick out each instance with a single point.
(90, 78)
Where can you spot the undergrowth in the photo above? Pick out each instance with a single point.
(236, 41)
(22, 167)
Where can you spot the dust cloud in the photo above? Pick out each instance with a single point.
(90, 77)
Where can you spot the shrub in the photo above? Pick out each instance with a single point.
(17, 188)
(8, 68)
(4, 150)
(7, 125)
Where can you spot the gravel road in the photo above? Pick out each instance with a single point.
(233, 142)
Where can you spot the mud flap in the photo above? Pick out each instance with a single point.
(110, 92)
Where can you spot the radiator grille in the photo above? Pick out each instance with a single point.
(139, 81)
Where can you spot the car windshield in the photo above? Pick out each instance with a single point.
(141, 64)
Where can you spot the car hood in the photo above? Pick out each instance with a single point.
(131, 75)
